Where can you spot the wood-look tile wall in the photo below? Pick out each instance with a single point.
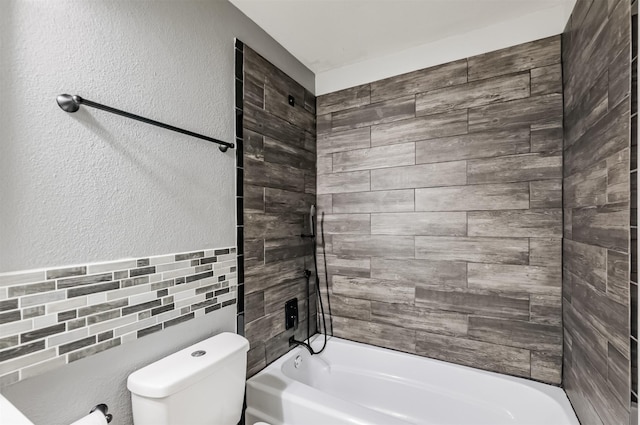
(596, 64)
(279, 172)
(440, 196)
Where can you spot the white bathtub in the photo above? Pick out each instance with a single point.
(352, 383)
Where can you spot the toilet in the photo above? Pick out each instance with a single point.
(200, 385)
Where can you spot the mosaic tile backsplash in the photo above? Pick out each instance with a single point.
(52, 317)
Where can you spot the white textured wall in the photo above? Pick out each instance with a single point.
(92, 186)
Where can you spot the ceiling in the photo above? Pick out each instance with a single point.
(330, 34)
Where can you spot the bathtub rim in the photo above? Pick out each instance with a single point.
(554, 393)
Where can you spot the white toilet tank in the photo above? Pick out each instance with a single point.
(200, 385)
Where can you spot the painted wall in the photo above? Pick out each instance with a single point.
(596, 280)
(86, 187)
(440, 197)
(91, 186)
(279, 175)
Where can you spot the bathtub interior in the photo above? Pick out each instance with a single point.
(406, 388)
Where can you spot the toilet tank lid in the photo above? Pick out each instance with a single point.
(182, 369)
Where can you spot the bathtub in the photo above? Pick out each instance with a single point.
(353, 383)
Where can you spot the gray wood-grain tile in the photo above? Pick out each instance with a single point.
(587, 262)
(618, 177)
(473, 301)
(585, 114)
(344, 99)
(253, 145)
(263, 276)
(545, 252)
(349, 266)
(339, 141)
(422, 128)
(546, 309)
(473, 197)
(613, 129)
(452, 173)
(374, 289)
(516, 333)
(546, 367)
(266, 174)
(419, 223)
(277, 249)
(473, 212)
(345, 223)
(253, 91)
(324, 164)
(483, 355)
(277, 152)
(538, 223)
(276, 102)
(356, 181)
(545, 194)
(618, 372)
(374, 246)
(546, 79)
(618, 276)
(266, 124)
(260, 226)
(514, 168)
(375, 113)
(607, 316)
(536, 110)
(423, 272)
(606, 226)
(587, 187)
(353, 308)
(253, 197)
(473, 94)
(379, 201)
(475, 145)
(423, 80)
(522, 57)
(378, 334)
(473, 250)
(377, 157)
(515, 279)
(546, 138)
(419, 319)
(279, 185)
(283, 201)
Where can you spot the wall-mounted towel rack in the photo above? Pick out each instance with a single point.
(69, 103)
